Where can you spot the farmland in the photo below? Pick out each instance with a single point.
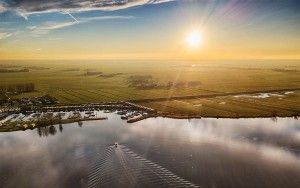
(77, 82)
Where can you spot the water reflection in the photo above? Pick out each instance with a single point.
(48, 130)
(205, 152)
(52, 130)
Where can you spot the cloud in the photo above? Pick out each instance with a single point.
(4, 35)
(161, 1)
(48, 26)
(2, 7)
(54, 25)
(27, 7)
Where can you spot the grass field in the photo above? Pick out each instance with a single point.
(69, 82)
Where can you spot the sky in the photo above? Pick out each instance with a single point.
(149, 29)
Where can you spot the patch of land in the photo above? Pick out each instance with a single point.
(287, 70)
(13, 70)
(185, 89)
(71, 70)
(92, 73)
(110, 75)
(148, 82)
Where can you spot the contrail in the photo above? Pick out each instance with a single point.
(66, 12)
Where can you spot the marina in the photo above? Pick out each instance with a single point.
(51, 115)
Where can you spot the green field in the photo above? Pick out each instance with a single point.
(102, 81)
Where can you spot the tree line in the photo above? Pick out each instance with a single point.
(19, 88)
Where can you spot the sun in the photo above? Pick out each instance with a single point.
(194, 39)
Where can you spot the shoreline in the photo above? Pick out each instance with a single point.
(183, 116)
(70, 121)
(129, 112)
(44, 123)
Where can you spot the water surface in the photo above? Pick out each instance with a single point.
(154, 152)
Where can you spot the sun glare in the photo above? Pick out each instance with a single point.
(194, 39)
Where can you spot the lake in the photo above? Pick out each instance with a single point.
(156, 152)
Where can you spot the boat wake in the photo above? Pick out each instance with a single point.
(121, 167)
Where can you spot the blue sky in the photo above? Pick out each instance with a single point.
(115, 28)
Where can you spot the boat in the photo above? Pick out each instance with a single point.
(124, 117)
(121, 112)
